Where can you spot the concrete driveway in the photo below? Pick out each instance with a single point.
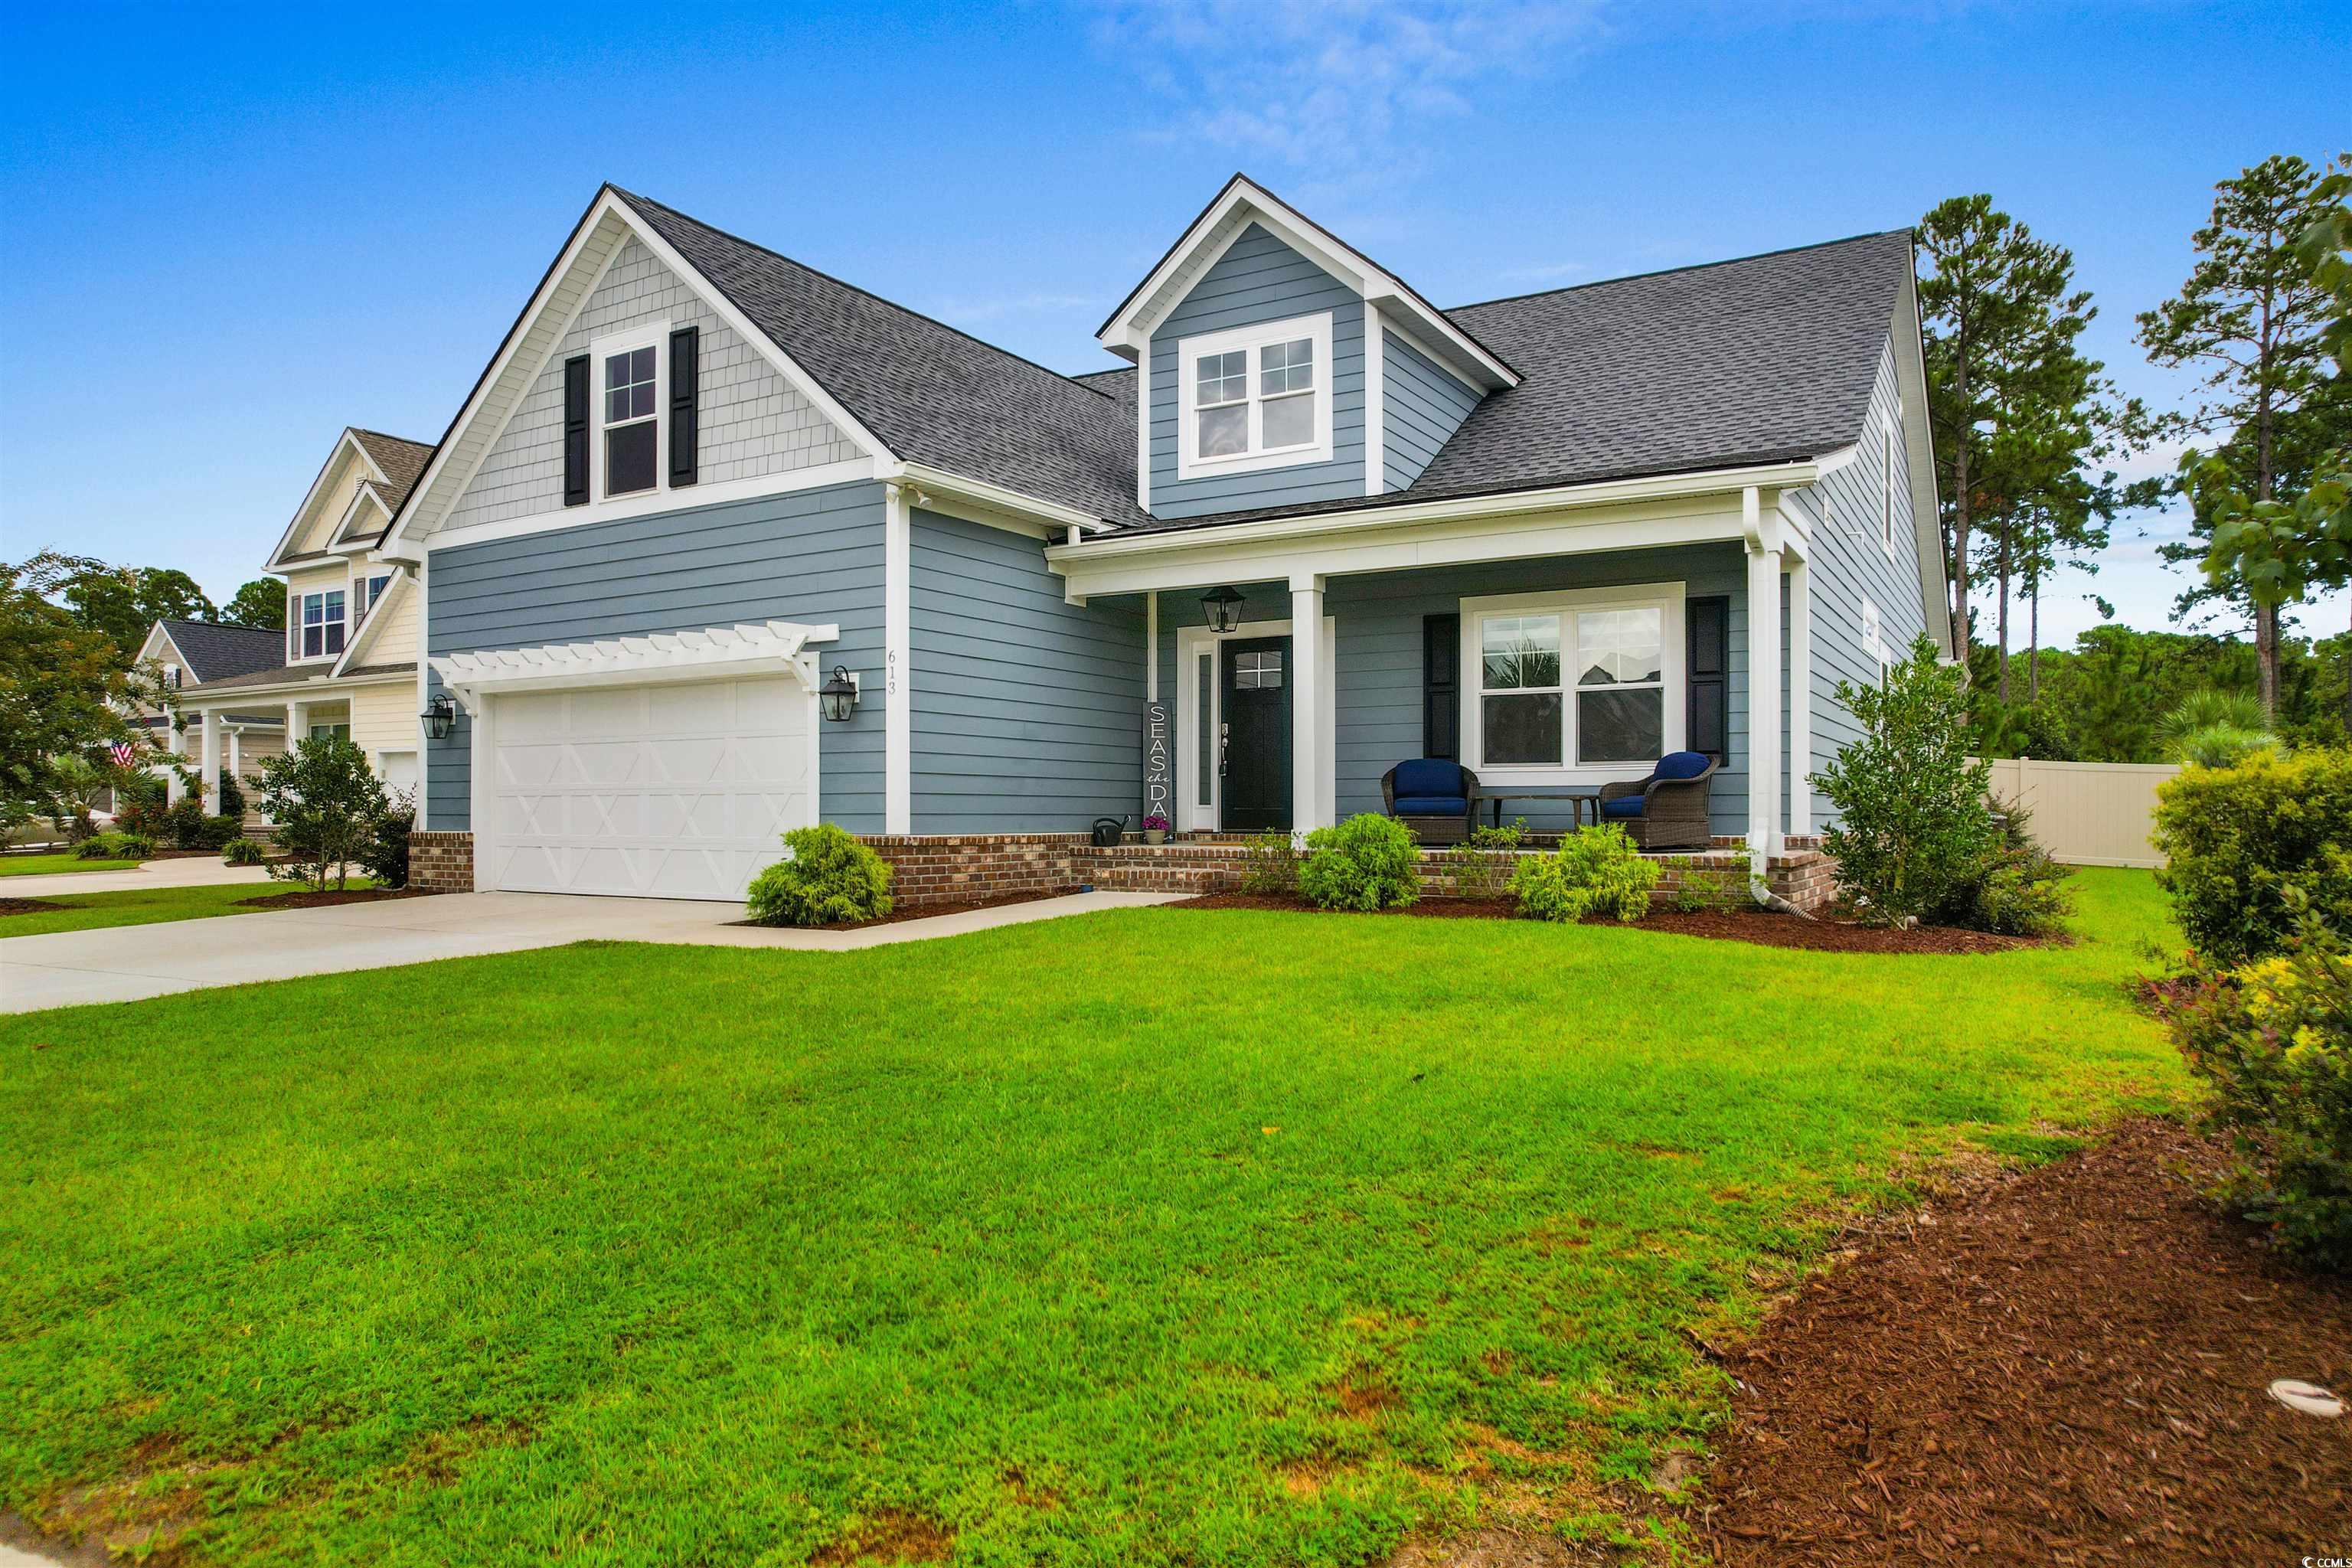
(128, 963)
(195, 871)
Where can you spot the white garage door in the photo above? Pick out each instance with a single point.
(667, 791)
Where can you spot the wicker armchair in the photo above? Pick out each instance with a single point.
(1434, 798)
(1668, 810)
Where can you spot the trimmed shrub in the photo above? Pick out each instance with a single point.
(1915, 825)
(243, 852)
(1595, 872)
(2273, 1041)
(2237, 841)
(139, 804)
(385, 854)
(1482, 867)
(115, 847)
(2018, 889)
(184, 824)
(1365, 863)
(1269, 866)
(232, 795)
(827, 878)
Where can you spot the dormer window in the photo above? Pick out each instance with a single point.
(1254, 397)
(368, 590)
(631, 424)
(322, 624)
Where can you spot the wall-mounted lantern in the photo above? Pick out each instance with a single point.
(1223, 608)
(839, 695)
(440, 716)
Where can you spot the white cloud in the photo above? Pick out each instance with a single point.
(1330, 83)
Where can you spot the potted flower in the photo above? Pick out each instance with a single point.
(1155, 829)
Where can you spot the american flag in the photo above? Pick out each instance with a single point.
(124, 754)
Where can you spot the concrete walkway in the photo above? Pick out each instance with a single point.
(195, 871)
(127, 963)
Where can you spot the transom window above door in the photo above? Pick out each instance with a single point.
(1254, 397)
(632, 430)
(1564, 686)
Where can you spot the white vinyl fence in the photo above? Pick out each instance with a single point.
(2087, 813)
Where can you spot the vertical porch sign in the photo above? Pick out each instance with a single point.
(1157, 768)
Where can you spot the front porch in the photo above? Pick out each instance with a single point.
(1545, 652)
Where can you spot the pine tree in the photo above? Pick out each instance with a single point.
(2251, 321)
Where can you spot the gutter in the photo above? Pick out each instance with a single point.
(1560, 498)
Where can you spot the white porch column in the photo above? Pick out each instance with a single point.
(298, 724)
(236, 755)
(1763, 691)
(898, 715)
(1801, 697)
(208, 769)
(1307, 675)
(1151, 647)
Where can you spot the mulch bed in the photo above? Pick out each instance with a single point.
(30, 906)
(1755, 925)
(924, 912)
(2069, 1367)
(302, 899)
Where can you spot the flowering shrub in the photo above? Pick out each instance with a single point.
(1596, 871)
(2274, 1039)
(829, 877)
(1365, 863)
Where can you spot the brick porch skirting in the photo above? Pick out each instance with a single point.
(441, 862)
(942, 868)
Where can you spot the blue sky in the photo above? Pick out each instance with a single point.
(229, 231)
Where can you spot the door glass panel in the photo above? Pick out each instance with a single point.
(1257, 671)
(1204, 748)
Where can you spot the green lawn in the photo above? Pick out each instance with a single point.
(1150, 1238)
(141, 905)
(50, 865)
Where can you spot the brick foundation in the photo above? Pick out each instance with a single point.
(441, 862)
(941, 867)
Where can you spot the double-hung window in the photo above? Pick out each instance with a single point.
(322, 624)
(631, 411)
(1574, 680)
(1254, 397)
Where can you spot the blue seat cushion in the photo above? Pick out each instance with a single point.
(1625, 806)
(1682, 764)
(1426, 776)
(1433, 805)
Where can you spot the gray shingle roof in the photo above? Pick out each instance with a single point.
(931, 393)
(215, 652)
(1763, 358)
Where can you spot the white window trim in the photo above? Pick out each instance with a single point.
(1192, 642)
(1190, 464)
(358, 592)
(301, 598)
(655, 336)
(1664, 597)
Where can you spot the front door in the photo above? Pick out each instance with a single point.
(1256, 758)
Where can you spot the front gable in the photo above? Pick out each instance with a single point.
(341, 480)
(1223, 406)
(761, 421)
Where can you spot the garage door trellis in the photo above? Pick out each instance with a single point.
(757, 648)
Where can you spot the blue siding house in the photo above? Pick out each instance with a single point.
(718, 545)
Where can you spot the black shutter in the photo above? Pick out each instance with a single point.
(1709, 669)
(1441, 687)
(293, 627)
(684, 427)
(575, 431)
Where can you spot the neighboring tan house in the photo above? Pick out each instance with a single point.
(346, 663)
(700, 490)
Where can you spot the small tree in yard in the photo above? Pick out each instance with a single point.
(1915, 825)
(327, 803)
